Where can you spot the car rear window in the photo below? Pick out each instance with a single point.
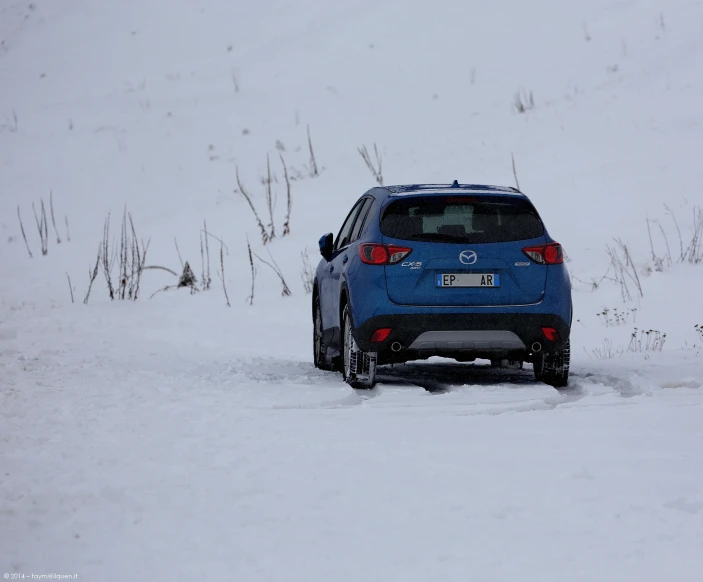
(453, 218)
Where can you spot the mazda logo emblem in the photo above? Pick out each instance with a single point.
(468, 257)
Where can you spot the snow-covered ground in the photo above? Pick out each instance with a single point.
(177, 438)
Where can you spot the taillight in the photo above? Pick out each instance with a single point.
(380, 335)
(378, 254)
(550, 333)
(550, 254)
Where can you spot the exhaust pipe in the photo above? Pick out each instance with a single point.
(396, 346)
(536, 347)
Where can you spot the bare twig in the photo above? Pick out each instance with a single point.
(92, 275)
(178, 251)
(624, 270)
(68, 232)
(106, 262)
(45, 223)
(269, 199)
(53, 220)
(208, 280)
(517, 182)
(202, 257)
(313, 162)
(289, 201)
(666, 240)
(222, 273)
(285, 290)
(42, 227)
(138, 261)
(250, 299)
(219, 240)
(308, 273)
(186, 279)
(166, 289)
(651, 244)
(375, 169)
(159, 267)
(70, 287)
(678, 230)
(31, 256)
(264, 234)
(122, 284)
(694, 251)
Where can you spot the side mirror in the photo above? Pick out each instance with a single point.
(325, 243)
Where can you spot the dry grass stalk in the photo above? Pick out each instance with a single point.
(70, 287)
(269, 199)
(42, 227)
(222, 273)
(92, 275)
(517, 183)
(207, 279)
(285, 290)
(250, 299)
(376, 168)
(31, 256)
(289, 200)
(53, 219)
(313, 162)
(262, 229)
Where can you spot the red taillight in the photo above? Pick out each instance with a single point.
(377, 254)
(550, 333)
(373, 254)
(551, 254)
(380, 335)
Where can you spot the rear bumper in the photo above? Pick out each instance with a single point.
(471, 334)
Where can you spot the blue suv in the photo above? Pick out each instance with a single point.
(459, 271)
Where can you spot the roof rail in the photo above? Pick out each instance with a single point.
(406, 188)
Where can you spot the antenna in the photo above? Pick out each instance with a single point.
(455, 184)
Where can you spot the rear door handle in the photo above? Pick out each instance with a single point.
(345, 259)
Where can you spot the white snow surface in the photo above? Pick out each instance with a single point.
(174, 438)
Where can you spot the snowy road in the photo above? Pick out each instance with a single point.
(127, 462)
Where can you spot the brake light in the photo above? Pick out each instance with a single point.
(378, 254)
(459, 200)
(550, 254)
(380, 335)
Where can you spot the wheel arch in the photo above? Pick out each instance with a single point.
(315, 295)
(343, 301)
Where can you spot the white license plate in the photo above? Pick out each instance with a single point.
(467, 280)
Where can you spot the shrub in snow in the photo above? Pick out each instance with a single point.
(523, 101)
(643, 341)
(612, 318)
(308, 274)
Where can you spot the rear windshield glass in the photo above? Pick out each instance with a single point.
(455, 218)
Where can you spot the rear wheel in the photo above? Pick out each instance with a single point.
(319, 348)
(358, 368)
(553, 369)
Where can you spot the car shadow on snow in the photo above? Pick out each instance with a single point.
(443, 376)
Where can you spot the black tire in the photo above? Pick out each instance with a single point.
(350, 351)
(318, 347)
(553, 369)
